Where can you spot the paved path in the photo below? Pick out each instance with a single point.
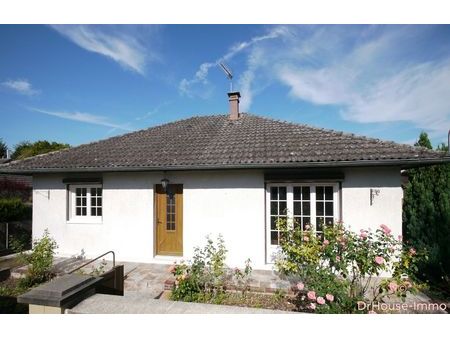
(143, 303)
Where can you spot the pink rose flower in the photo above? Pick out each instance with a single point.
(412, 251)
(172, 268)
(306, 238)
(326, 242)
(393, 286)
(307, 227)
(300, 286)
(379, 260)
(363, 235)
(312, 306)
(400, 238)
(338, 258)
(320, 300)
(329, 297)
(385, 229)
(311, 295)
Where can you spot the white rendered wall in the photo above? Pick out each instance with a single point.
(387, 206)
(230, 203)
(226, 202)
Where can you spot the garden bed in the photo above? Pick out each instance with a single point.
(9, 290)
(271, 301)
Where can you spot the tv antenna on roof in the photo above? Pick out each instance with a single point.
(228, 73)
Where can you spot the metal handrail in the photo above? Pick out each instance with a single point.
(93, 260)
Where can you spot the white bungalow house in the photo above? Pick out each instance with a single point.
(153, 195)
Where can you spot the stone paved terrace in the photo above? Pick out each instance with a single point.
(155, 278)
(149, 281)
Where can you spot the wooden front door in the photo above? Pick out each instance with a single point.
(169, 220)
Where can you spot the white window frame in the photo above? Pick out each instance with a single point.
(72, 217)
(272, 249)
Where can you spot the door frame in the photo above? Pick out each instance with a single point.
(155, 223)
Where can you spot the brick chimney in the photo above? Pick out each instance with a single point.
(233, 98)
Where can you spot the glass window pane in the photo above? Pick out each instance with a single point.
(297, 193)
(93, 211)
(83, 211)
(83, 191)
(78, 211)
(297, 208)
(83, 201)
(274, 237)
(273, 223)
(99, 202)
(297, 221)
(306, 208)
(319, 208)
(274, 208)
(170, 212)
(93, 201)
(306, 193)
(78, 191)
(306, 221)
(274, 193)
(328, 208)
(282, 193)
(319, 193)
(329, 193)
(99, 211)
(329, 221)
(78, 202)
(283, 208)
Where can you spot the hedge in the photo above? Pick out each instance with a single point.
(13, 209)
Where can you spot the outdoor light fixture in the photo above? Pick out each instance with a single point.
(165, 183)
(373, 193)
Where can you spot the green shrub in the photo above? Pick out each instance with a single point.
(204, 279)
(13, 209)
(426, 216)
(39, 260)
(341, 266)
(205, 276)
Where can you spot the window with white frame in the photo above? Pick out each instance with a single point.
(85, 203)
(315, 205)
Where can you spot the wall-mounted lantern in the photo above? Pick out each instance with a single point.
(373, 193)
(165, 184)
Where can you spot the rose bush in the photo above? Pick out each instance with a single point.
(342, 267)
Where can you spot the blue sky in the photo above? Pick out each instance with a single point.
(76, 84)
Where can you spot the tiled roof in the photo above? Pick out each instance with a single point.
(218, 142)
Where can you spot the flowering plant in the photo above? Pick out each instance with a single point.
(347, 260)
(205, 274)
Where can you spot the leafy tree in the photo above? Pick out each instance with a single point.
(3, 148)
(426, 214)
(27, 149)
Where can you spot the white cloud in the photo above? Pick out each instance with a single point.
(201, 76)
(83, 117)
(370, 86)
(21, 86)
(117, 44)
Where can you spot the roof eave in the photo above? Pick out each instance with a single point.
(402, 163)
